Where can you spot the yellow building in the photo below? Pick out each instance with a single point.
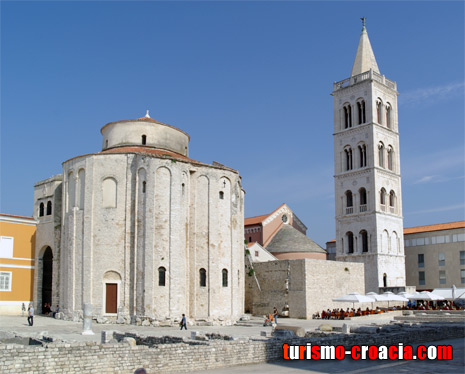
(17, 243)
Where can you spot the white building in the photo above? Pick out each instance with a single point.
(141, 231)
(367, 172)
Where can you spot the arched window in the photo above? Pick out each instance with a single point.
(109, 193)
(41, 210)
(364, 238)
(361, 112)
(381, 154)
(49, 208)
(390, 154)
(221, 195)
(348, 158)
(250, 239)
(106, 143)
(382, 198)
(384, 280)
(203, 277)
(362, 154)
(347, 116)
(388, 115)
(144, 139)
(392, 201)
(161, 276)
(349, 202)
(350, 242)
(379, 111)
(225, 277)
(363, 199)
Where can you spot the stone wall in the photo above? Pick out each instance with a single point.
(307, 286)
(190, 356)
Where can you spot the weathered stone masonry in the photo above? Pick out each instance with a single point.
(191, 355)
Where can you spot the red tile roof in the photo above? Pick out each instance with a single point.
(436, 227)
(259, 219)
(148, 150)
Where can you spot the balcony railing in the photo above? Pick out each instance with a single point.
(392, 209)
(364, 76)
(349, 210)
(363, 208)
(383, 207)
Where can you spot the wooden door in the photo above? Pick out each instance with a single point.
(111, 298)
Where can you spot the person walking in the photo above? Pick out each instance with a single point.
(30, 315)
(183, 322)
(275, 315)
(23, 309)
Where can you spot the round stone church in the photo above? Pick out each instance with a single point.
(141, 231)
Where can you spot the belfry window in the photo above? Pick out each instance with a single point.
(362, 153)
(381, 154)
(382, 196)
(49, 208)
(161, 276)
(349, 202)
(363, 199)
(390, 158)
(203, 277)
(348, 158)
(41, 210)
(392, 201)
(350, 242)
(388, 116)
(144, 139)
(379, 111)
(225, 277)
(364, 237)
(361, 112)
(347, 116)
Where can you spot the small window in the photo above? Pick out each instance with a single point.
(462, 257)
(225, 278)
(161, 276)
(5, 281)
(442, 259)
(421, 278)
(49, 208)
(203, 277)
(421, 260)
(144, 139)
(364, 236)
(41, 210)
(144, 185)
(462, 276)
(442, 277)
(221, 195)
(106, 143)
(256, 253)
(250, 239)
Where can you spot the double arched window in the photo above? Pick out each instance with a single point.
(361, 111)
(347, 116)
(362, 155)
(348, 158)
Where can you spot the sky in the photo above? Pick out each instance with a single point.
(250, 82)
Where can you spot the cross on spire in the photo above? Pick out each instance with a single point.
(363, 22)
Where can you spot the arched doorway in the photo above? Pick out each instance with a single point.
(384, 280)
(47, 276)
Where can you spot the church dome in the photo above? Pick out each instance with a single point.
(145, 132)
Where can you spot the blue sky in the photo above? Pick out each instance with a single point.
(249, 81)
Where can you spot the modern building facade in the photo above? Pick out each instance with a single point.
(367, 172)
(142, 232)
(17, 246)
(435, 255)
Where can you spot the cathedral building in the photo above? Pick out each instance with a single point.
(141, 231)
(368, 204)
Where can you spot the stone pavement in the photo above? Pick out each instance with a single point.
(71, 331)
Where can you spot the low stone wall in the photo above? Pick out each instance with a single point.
(190, 356)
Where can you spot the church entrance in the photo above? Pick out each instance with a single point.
(111, 298)
(47, 276)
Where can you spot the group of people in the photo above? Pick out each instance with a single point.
(349, 312)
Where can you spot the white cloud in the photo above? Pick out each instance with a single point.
(427, 95)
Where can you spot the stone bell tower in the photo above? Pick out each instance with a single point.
(369, 224)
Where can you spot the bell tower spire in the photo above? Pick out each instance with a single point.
(365, 58)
